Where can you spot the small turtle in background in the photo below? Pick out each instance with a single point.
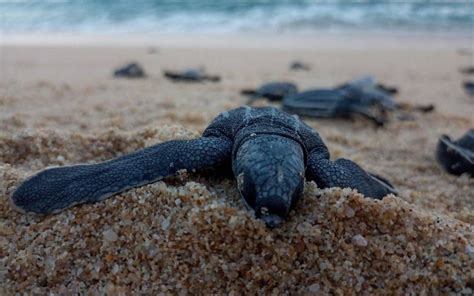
(190, 75)
(360, 96)
(469, 70)
(469, 88)
(132, 70)
(273, 91)
(457, 157)
(299, 66)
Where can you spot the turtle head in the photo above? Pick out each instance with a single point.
(270, 175)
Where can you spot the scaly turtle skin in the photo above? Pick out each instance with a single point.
(273, 91)
(457, 157)
(270, 153)
(190, 75)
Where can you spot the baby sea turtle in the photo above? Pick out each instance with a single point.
(269, 151)
(273, 91)
(457, 157)
(469, 70)
(132, 70)
(297, 65)
(469, 87)
(360, 96)
(191, 75)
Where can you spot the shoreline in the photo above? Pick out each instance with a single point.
(316, 40)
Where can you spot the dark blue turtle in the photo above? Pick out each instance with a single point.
(469, 87)
(273, 91)
(132, 70)
(191, 75)
(457, 157)
(298, 65)
(361, 96)
(270, 153)
(469, 70)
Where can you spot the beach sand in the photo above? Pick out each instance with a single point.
(192, 234)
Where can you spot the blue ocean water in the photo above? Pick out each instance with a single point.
(216, 16)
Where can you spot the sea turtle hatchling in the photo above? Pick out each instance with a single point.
(270, 152)
(469, 88)
(132, 70)
(298, 65)
(191, 75)
(273, 91)
(361, 96)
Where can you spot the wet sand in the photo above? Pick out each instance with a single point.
(59, 105)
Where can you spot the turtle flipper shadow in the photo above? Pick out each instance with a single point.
(344, 173)
(55, 189)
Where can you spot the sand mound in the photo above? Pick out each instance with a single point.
(40, 148)
(193, 233)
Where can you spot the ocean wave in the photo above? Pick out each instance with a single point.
(233, 16)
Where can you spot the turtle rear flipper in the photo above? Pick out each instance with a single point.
(457, 157)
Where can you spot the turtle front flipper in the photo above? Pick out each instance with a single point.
(344, 173)
(457, 157)
(55, 189)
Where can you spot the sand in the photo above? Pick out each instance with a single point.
(59, 105)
